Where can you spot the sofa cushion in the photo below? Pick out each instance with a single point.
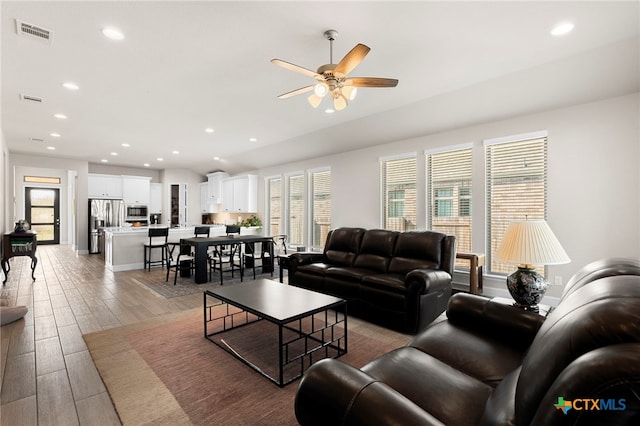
(342, 246)
(347, 273)
(388, 282)
(416, 250)
(484, 358)
(319, 268)
(376, 249)
(410, 371)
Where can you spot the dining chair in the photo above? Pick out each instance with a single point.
(227, 254)
(258, 254)
(179, 259)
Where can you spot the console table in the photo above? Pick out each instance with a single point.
(19, 244)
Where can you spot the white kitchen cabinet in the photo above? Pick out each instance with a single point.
(136, 190)
(104, 186)
(214, 192)
(204, 198)
(240, 194)
(155, 200)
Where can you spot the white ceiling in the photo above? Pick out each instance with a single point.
(186, 66)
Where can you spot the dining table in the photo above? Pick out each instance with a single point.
(201, 247)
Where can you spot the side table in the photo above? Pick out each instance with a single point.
(476, 262)
(19, 244)
(284, 261)
(543, 310)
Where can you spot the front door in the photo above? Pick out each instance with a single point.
(42, 207)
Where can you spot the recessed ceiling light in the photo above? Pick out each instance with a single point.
(71, 86)
(160, 159)
(253, 140)
(104, 160)
(147, 165)
(126, 145)
(329, 111)
(114, 153)
(562, 29)
(175, 152)
(209, 130)
(60, 116)
(112, 33)
(55, 135)
(216, 158)
(51, 148)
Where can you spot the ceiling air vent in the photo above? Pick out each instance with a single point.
(36, 140)
(34, 31)
(30, 98)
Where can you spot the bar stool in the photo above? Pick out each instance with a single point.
(157, 240)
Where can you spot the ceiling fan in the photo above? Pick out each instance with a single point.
(332, 79)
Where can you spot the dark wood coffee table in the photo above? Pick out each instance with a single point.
(310, 325)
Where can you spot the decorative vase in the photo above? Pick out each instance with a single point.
(21, 226)
(527, 287)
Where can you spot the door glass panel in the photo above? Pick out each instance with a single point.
(45, 232)
(42, 214)
(42, 197)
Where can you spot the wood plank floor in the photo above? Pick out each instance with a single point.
(46, 373)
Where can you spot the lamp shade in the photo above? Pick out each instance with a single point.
(531, 242)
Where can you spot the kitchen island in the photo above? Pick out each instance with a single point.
(124, 245)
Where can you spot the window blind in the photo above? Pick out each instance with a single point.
(399, 193)
(275, 206)
(295, 232)
(320, 206)
(516, 190)
(449, 178)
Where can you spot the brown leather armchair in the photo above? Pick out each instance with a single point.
(494, 364)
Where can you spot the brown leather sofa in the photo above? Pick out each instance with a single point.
(494, 364)
(400, 280)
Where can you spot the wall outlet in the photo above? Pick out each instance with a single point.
(558, 280)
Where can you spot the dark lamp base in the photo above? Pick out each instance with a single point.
(527, 288)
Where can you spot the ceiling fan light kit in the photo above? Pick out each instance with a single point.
(332, 78)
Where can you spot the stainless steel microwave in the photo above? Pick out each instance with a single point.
(137, 212)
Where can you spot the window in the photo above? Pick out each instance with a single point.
(516, 187)
(295, 222)
(443, 203)
(396, 203)
(320, 183)
(41, 179)
(449, 195)
(399, 193)
(275, 205)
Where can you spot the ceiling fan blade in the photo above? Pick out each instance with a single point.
(371, 82)
(295, 68)
(296, 92)
(351, 60)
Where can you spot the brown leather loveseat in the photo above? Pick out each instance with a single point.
(494, 364)
(401, 280)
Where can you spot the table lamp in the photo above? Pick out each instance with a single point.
(528, 243)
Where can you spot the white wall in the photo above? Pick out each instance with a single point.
(593, 179)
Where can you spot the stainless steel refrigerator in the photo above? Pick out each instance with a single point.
(103, 214)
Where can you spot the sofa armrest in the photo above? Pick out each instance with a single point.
(495, 319)
(306, 258)
(428, 280)
(334, 393)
